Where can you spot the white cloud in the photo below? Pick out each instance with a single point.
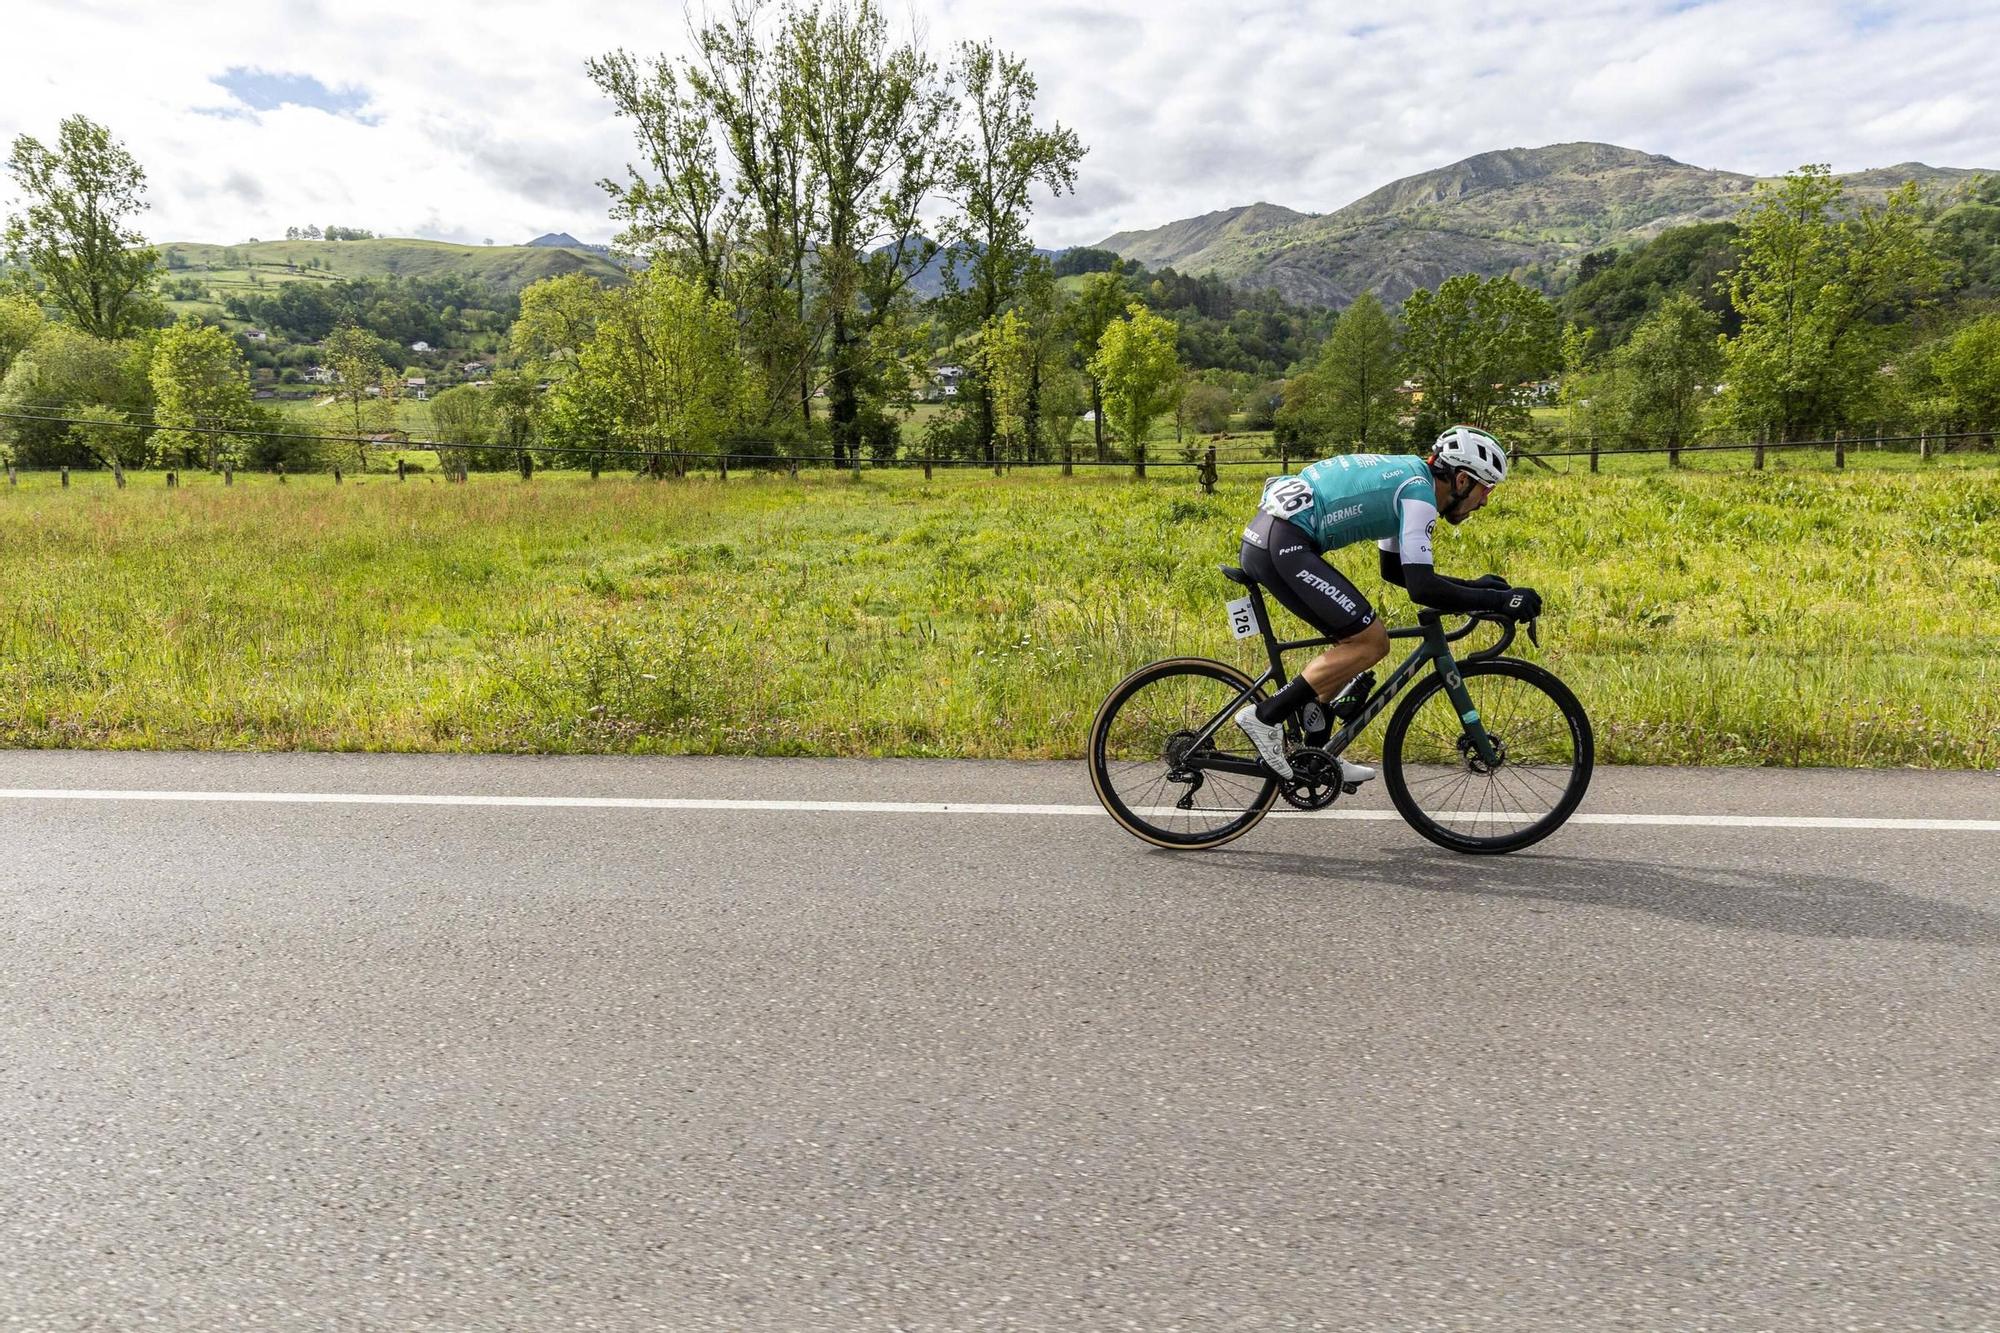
(482, 123)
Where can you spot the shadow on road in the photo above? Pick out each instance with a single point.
(1788, 902)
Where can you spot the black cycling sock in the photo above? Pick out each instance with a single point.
(1287, 701)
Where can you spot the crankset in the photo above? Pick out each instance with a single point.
(1315, 780)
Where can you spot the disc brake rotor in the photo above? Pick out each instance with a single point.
(1468, 751)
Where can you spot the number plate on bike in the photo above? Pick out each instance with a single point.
(1242, 618)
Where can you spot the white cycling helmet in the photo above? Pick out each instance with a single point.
(1475, 451)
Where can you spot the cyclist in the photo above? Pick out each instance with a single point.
(1349, 498)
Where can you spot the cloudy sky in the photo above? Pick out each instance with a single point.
(469, 122)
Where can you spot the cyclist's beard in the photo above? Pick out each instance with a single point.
(1456, 513)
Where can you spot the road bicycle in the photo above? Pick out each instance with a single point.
(1487, 754)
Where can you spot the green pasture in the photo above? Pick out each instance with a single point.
(1792, 616)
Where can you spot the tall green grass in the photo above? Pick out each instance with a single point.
(1792, 616)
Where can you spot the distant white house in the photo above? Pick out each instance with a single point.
(416, 385)
(420, 346)
(256, 335)
(473, 368)
(947, 378)
(322, 375)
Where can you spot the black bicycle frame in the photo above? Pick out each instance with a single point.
(1435, 648)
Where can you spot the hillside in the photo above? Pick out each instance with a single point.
(505, 268)
(1187, 243)
(1497, 212)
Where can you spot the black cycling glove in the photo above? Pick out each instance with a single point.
(1524, 604)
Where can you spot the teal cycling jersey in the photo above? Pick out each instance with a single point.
(1350, 498)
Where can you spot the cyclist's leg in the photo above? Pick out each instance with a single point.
(1278, 556)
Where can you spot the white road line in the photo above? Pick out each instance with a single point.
(946, 808)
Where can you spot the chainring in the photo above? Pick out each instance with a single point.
(1315, 780)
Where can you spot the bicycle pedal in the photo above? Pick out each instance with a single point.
(1350, 787)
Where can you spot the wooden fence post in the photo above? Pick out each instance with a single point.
(173, 480)
(401, 473)
(594, 460)
(527, 466)
(12, 478)
(65, 475)
(1206, 473)
(1757, 462)
(795, 469)
(279, 469)
(118, 473)
(336, 476)
(1069, 455)
(1923, 446)
(722, 461)
(228, 474)
(1593, 453)
(927, 465)
(1285, 460)
(1840, 449)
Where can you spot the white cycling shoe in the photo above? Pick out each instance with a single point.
(1269, 738)
(1353, 772)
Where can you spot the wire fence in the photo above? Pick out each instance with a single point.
(1207, 455)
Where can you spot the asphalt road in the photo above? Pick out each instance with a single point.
(464, 1067)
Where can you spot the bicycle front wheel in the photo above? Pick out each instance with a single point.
(1141, 746)
(1447, 793)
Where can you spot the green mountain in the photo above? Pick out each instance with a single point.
(505, 268)
(1516, 209)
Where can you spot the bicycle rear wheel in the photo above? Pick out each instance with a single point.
(1140, 744)
(1448, 794)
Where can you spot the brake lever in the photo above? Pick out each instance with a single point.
(1532, 637)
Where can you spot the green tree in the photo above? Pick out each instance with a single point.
(664, 369)
(1207, 407)
(61, 372)
(1669, 370)
(1471, 344)
(461, 421)
(558, 319)
(21, 322)
(519, 408)
(201, 386)
(1099, 302)
(1006, 370)
(870, 115)
(1140, 370)
(1350, 399)
(109, 438)
(990, 167)
(73, 233)
(680, 214)
(364, 396)
(739, 78)
(1573, 389)
(1968, 368)
(1816, 289)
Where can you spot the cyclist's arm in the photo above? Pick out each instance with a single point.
(1415, 566)
(1392, 572)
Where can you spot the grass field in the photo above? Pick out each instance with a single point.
(1794, 616)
